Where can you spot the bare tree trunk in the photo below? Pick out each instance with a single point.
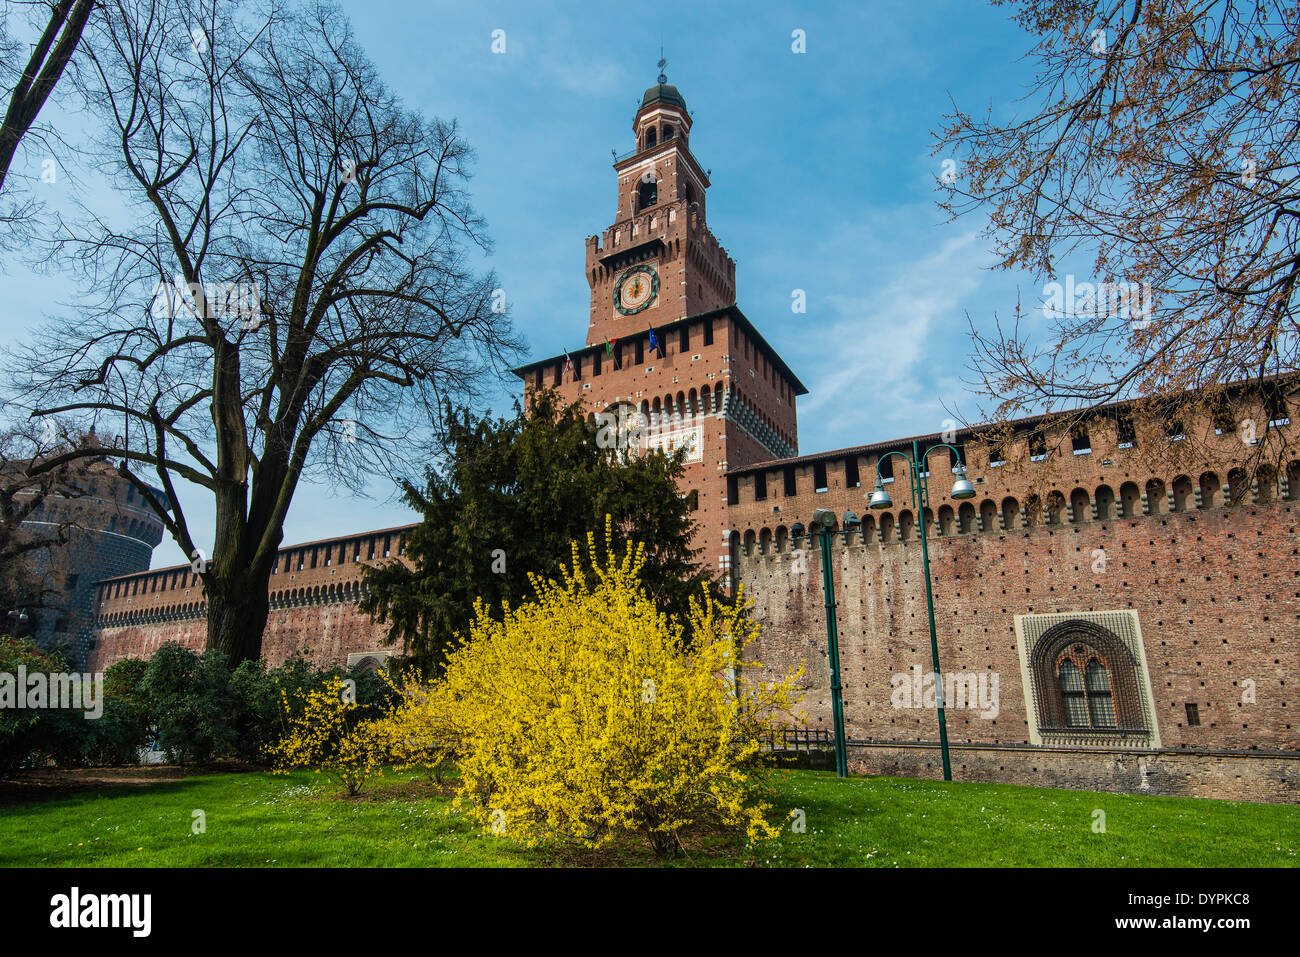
(236, 619)
(62, 33)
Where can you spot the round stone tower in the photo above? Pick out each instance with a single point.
(111, 530)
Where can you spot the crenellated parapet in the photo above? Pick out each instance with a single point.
(1028, 476)
(314, 578)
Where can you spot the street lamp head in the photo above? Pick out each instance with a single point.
(962, 487)
(823, 518)
(880, 498)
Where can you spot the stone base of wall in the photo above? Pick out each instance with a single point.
(1269, 777)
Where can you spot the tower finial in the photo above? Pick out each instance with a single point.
(663, 78)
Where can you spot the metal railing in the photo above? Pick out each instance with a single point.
(798, 739)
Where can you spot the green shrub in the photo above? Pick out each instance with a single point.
(127, 725)
(191, 701)
(191, 704)
(37, 735)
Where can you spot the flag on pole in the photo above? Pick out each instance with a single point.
(654, 342)
(609, 346)
(568, 363)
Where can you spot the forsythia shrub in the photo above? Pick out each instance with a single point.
(584, 713)
(323, 733)
(418, 730)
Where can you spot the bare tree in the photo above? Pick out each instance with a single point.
(290, 293)
(64, 23)
(31, 66)
(1158, 148)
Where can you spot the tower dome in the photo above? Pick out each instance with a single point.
(663, 92)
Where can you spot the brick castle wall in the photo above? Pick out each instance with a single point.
(1182, 573)
(313, 592)
(1063, 522)
(1215, 586)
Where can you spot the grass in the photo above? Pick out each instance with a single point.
(255, 819)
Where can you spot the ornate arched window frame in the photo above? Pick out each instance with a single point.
(1080, 642)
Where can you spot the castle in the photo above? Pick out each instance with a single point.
(110, 529)
(1100, 625)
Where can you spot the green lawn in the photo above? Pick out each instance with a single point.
(256, 819)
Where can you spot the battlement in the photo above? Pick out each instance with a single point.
(1042, 470)
(329, 570)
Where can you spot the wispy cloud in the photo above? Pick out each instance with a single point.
(894, 347)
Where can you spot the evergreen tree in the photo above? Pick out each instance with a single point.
(511, 497)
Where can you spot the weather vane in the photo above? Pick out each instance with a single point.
(663, 78)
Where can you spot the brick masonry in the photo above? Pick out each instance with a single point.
(111, 531)
(313, 592)
(1216, 590)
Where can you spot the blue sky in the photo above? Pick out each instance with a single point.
(821, 169)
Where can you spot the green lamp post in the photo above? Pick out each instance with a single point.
(823, 526)
(961, 489)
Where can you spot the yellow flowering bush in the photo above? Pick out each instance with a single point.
(586, 713)
(418, 731)
(322, 733)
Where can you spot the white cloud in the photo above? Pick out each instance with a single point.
(896, 351)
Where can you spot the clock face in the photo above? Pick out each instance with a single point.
(636, 289)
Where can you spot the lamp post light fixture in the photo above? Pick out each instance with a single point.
(823, 526)
(961, 489)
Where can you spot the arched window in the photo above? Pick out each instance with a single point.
(1080, 505)
(1105, 499)
(1130, 500)
(1184, 494)
(1238, 487)
(946, 522)
(649, 137)
(1211, 495)
(668, 133)
(1033, 511)
(1101, 707)
(647, 194)
(1266, 478)
(1073, 694)
(1086, 693)
(1293, 480)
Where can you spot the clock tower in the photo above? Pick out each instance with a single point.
(666, 344)
(658, 262)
